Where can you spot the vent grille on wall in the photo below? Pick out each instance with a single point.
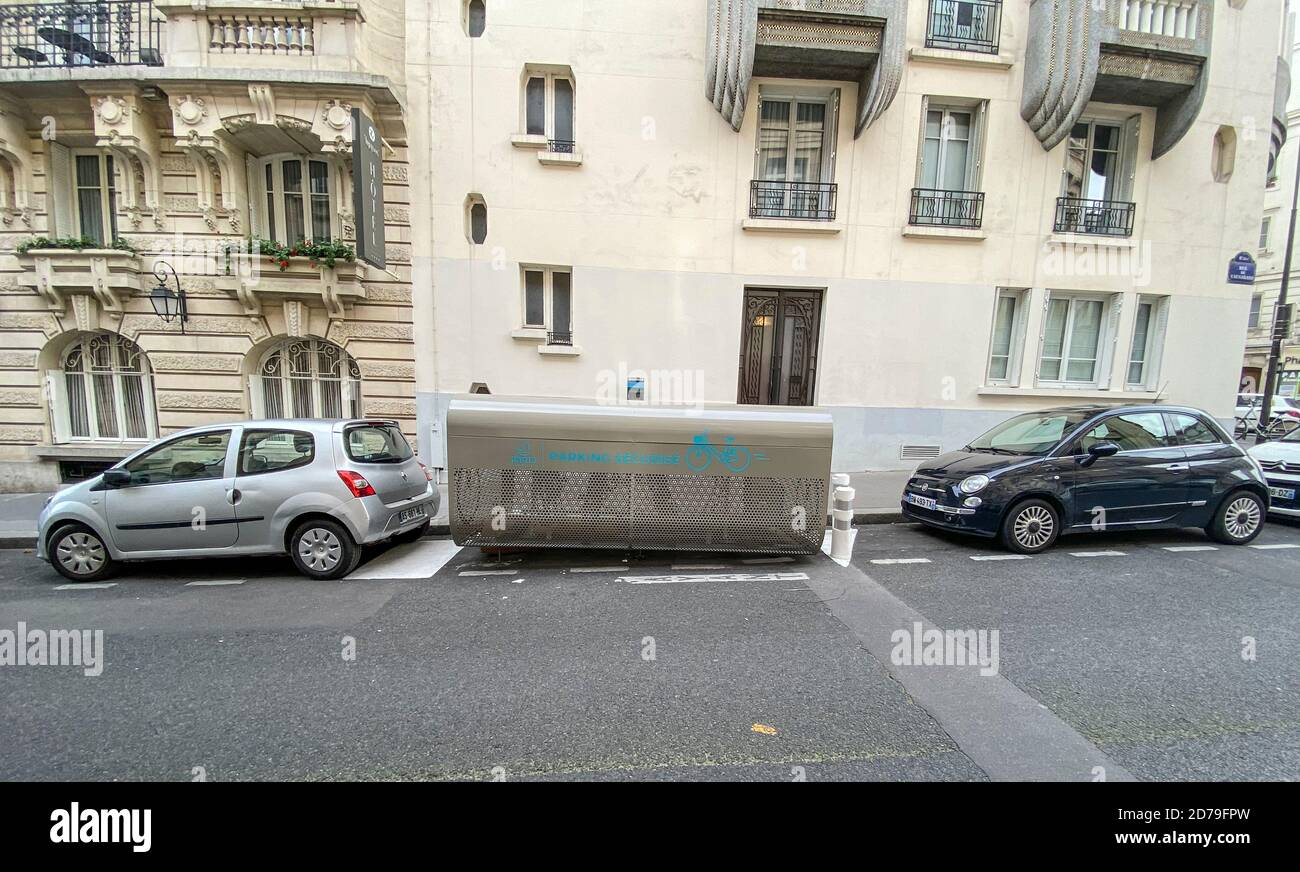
(919, 452)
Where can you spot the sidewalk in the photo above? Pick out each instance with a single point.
(876, 502)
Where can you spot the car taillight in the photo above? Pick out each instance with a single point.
(428, 476)
(356, 483)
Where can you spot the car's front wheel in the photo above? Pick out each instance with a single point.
(1238, 520)
(323, 549)
(1031, 526)
(79, 554)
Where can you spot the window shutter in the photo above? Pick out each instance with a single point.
(256, 197)
(56, 398)
(977, 147)
(920, 145)
(832, 137)
(1110, 342)
(1132, 127)
(1042, 329)
(1156, 344)
(61, 214)
(257, 401)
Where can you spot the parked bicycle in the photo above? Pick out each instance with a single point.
(1248, 425)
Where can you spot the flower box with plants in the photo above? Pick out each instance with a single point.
(304, 255)
(258, 269)
(58, 266)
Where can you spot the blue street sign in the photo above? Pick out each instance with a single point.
(1241, 269)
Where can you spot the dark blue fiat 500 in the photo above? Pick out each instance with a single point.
(1091, 468)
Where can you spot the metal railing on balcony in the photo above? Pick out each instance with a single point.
(964, 25)
(932, 207)
(559, 337)
(561, 146)
(109, 33)
(1180, 18)
(812, 201)
(1094, 217)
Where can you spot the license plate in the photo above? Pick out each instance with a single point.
(410, 514)
(923, 502)
(1282, 493)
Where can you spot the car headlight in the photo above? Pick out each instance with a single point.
(973, 484)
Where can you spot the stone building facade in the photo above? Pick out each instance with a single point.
(163, 136)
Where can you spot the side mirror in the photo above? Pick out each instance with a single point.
(116, 477)
(1097, 451)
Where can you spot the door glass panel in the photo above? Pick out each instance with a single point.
(930, 153)
(564, 110)
(773, 140)
(779, 347)
(274, 450)
(1076, 158)
(89, 202)
(1085, 334)
(1189, 430)
(1134, 432)
(270, 202)
(809, 129)
(534, 299)
(561, 301)
(1000, 358)
(956, 151)
(294, 228)
(1053, 340)
(320, 200)
(1137, 358)
(193, 458)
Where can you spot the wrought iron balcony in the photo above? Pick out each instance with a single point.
(932, 207)
(74, 34)
(812, 201)
(1094, 217)
(964, 25)
(561, 146)
(559, 337)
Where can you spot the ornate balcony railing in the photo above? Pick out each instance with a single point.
(559, 337)
(94, 34)
(261, 34)
(932, 207)
(1161, 17)
(964, 25)
(1095, 217)
(813, 201)
(561, 146)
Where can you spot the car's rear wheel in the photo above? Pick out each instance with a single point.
(79, 554)
(1239, 519)
(1031, 526)
(323, 549)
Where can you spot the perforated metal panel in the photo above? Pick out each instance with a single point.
(552, 508)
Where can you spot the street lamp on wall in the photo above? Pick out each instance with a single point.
(168, 304)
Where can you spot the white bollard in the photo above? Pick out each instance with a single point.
(842, 519)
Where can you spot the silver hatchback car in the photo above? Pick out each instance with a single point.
(316, 489)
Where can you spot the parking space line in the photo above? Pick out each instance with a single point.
(215, 582)
(87, 585)
(685, 567)
(1098, 554)
(890, 561)
(728, 576)
(755, 561)
(1178, 549)
(417, 560)
(1275, 546)
(999, 557)
(598, 569)
(468, 572)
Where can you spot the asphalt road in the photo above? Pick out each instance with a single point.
(669, 667)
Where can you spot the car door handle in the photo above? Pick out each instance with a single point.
(234, 496)
(1177, 467)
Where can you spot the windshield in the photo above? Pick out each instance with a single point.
(1033, 433)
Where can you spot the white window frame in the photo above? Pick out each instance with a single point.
(1153, 349)
(550, 76)
(1125, 158)
(1256, 311)
(1266, 233)
(978, 110)
(348, 377)
(1105, 340)
(829, 97)
(334, 177)
(108, 192)
(548, 296)
(58, 395)
(1015, 348)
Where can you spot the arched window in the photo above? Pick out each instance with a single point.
(104, 391)
(476, 17)
(307, 378)
(298, 199)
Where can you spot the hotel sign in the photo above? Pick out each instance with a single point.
(368, 189)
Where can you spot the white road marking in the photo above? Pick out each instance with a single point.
(1178, 549)
(215, 582)
(683, 567)
(87, 585)
(754, 561)
(488, 572)
(598, 569)
(1275, 546)
(1097, 554)
(890, 561)
(826, 545)
(1000, 556)
(727, 576)
(419, 559)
